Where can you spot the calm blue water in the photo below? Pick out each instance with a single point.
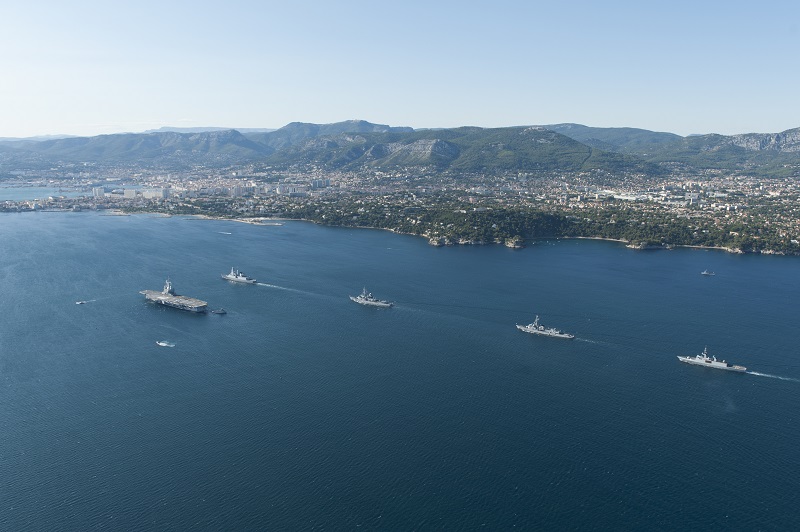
(302, 410)
(32, 193)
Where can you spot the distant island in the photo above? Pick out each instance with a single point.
(465, 185)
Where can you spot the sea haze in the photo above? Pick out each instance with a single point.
(301, 409)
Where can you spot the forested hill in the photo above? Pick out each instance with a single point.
(357, 145)
(456, 151)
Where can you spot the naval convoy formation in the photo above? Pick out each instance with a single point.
(169, 298)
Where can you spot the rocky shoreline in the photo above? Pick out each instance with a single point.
(512, 243)
(436, 241)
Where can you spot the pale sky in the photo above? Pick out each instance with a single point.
(86, 67)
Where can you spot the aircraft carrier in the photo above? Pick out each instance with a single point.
(169, 298)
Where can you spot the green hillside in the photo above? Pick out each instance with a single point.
(357, 145)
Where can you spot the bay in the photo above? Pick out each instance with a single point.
(37, 193)
(301, 409)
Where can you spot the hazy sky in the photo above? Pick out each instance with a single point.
(91, 67)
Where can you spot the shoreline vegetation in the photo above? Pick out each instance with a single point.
(448, 226)
(484, 229)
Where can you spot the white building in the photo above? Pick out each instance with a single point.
(154, 193)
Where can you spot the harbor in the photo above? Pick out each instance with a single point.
(300, 386)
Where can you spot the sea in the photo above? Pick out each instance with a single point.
(302, 410)
(37, 193)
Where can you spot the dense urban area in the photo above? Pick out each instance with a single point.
(738, 213)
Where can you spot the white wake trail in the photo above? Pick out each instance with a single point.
(772, 376)
(284, 288)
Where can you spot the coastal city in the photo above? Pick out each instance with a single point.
(737, 213)
(399, 266)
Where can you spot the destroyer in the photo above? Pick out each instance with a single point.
(238, 277)
(366, 298)
(169, 298)
(535, 328)
(703, 360)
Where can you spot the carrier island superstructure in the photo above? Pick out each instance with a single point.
(169, 298)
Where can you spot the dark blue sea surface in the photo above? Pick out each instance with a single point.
(300, 409)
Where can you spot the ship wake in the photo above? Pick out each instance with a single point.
(772, 376)
(284, 288)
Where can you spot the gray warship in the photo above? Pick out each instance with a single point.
(169, 298)
(366, 298)
(535, 328)
(703, 360)
(238, 277)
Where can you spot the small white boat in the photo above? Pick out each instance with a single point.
(164, 343)
(706, 272)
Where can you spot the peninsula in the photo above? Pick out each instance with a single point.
(462, 186)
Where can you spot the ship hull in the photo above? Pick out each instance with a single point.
(527, 329)
(379, 304)
(235, 280)
(188, 304)
(712, 365)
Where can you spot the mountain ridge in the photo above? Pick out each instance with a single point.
(357, 145)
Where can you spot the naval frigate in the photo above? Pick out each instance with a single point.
(703, 360)
(535, 328)
(366, 298)
(238, 277)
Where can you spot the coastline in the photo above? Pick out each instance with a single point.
(447, 241)
(620, 240)
(434, 241)
(261, 220)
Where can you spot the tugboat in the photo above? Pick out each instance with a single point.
(535, 328)
(366, 298)
(219, 311)
(238, 277)
(703, 360)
